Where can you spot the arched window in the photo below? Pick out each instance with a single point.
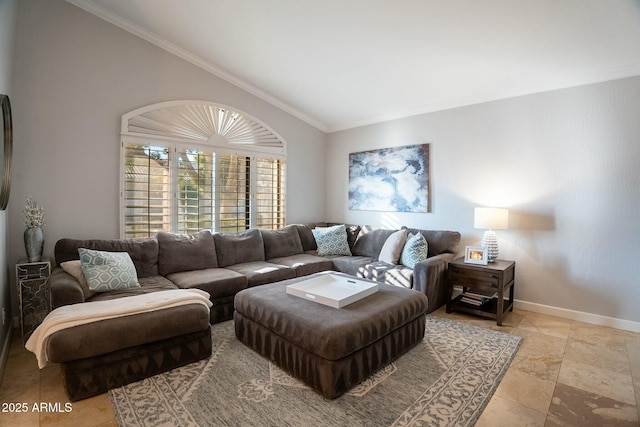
(194, 165)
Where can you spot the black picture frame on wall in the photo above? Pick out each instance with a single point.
(6, 151)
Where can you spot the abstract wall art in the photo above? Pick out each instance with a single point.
(390, 179)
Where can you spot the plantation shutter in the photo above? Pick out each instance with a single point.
(234, 193)
(270, 207)
(147, 193)
(196, 191)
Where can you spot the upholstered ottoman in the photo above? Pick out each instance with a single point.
(330, 349)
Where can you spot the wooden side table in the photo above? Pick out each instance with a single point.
(497, 277)
(33, 294)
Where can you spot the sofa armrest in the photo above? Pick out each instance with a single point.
(64, 289)
(430, 278)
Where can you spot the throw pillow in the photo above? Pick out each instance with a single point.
(108, 271)
(414, 251)
(75, 269)
(392, 248)
(332, 240)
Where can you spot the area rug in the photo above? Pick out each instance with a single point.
(446, 380)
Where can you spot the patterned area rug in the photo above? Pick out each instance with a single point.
(447, 379)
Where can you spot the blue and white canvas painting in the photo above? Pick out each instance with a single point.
(390, 179)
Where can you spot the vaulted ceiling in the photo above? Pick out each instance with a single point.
(338, 64)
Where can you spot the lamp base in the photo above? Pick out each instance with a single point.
(490, 241)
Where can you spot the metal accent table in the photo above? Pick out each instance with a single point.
(34, 297)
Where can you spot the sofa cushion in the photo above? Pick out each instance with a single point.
(332, 240)
(396, 275)
(306, 237)
(399, 275)
(352, 234)
(439, 241)
(351, 264)
(108, 271)
(74, 268)
(260, 272)
(304, 264)
(281, 243)
(415, 250)
(218, 282)
(143, 252)
(183, 252)
(64, 288)
(238, 248)
(370, 241)
(392, 248)
(147, 285)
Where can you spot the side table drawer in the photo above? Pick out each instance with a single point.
(466, 277)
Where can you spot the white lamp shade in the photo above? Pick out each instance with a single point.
(491, 218)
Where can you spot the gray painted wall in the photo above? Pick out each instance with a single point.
(75, 76)
(566, 163)
(8, 9)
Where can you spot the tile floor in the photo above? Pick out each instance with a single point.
(566, 373)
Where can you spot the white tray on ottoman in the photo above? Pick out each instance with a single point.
(333, 290)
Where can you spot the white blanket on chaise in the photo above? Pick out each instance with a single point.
(79, 314)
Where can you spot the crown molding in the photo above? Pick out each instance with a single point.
(153, 38)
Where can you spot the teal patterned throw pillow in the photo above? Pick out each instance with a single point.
(414, 251)
(332, 240)
(108, 271)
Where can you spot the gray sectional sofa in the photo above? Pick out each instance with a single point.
(110, 353)
(224, 264)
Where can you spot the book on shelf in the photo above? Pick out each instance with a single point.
(474, 301)
(477, 297)
(480, 293)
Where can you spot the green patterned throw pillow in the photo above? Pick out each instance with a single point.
(414, 251)
(108, 271)
(331, 240)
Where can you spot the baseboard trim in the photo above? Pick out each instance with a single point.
(596, 319)
(4, 354)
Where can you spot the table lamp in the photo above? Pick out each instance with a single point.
(491, 219)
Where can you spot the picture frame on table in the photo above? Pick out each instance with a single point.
(476, 255)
